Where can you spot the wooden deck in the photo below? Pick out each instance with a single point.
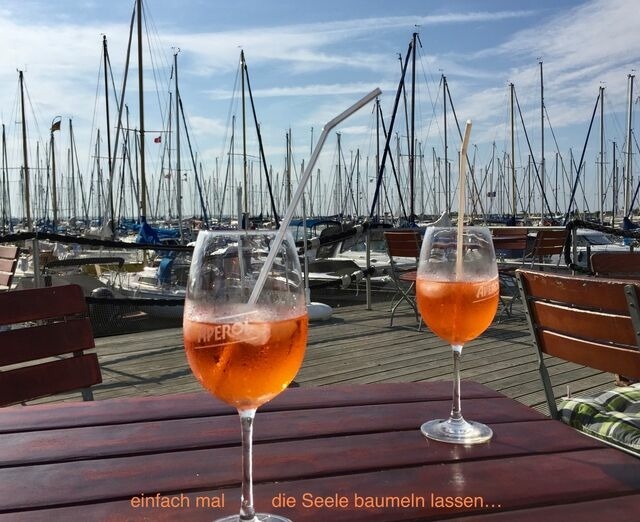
(356, 346)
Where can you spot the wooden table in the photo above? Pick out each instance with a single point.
(177, 457)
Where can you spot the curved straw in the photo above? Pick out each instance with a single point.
(262, 278)
(461, 193)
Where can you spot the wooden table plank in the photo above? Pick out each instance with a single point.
(550, 479)
(616, 508)
(139, 409)
(176, 434)
(87, 461)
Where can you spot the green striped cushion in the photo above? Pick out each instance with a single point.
(613, 416)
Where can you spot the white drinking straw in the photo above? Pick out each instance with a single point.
(462, 183)
(284, 224)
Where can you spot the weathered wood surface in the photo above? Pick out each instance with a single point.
(97, 461)
(356, 346)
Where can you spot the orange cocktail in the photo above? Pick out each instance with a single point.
(457, 311)
(247, 363)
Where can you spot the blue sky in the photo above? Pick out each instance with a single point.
(309, 60)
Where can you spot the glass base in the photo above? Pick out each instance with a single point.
(260, 517)
(456, 431)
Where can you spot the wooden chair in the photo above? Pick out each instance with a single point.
(625, 265)
(510, 245)
(548, 243)
(594, 322)
(404, 244)
(8, 262)
(50, 324)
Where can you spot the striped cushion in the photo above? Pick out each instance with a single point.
(613, 416)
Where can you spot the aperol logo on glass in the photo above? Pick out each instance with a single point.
(226, 332)
(488, 289)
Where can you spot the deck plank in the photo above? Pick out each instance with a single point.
(356, 346)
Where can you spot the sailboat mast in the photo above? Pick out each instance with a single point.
(288, 168)
(614, 209)
(245, 174)
(143, 177)
(601, 180)
(514, 209)
(105, 55)
(377, 148)
(412, 150)
(542, 162)
(54, 188)
(628, 170)
(5, 185)
(178, 171)
(447, 181)
(25, 155)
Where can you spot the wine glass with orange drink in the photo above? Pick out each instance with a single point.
(244, 352)
(457, 292)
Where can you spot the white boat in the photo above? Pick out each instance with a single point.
(164, 286)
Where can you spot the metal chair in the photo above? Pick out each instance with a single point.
(42, 352)
(403, 247)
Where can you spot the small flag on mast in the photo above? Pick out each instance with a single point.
(158, 139)
(55, 126)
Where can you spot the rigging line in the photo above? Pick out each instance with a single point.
(33, 114)
(535, 166)
(350, 185)
(433, 102)
(388, 137)
(261, 149)
(635, 194)
(473, 179)
(562, 164)
(584, 195)
(620, 131)
(195, 169)
(90, 153)
(233, 102)
(575, 185)
(555, 141)
(393, 169)
(153, 48)
(154, 69)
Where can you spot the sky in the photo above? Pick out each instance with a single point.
(307, 62)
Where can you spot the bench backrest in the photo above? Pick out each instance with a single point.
(403, 243)
(590, 321)
(51, 324)
(616, 264)
(8, 261)
(548, 242)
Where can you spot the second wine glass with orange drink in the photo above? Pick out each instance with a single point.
(457, 292)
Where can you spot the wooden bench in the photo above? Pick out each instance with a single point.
(593, 322)
(41, 354)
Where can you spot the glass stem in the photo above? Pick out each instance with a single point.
(456, 410)
(246, 502)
